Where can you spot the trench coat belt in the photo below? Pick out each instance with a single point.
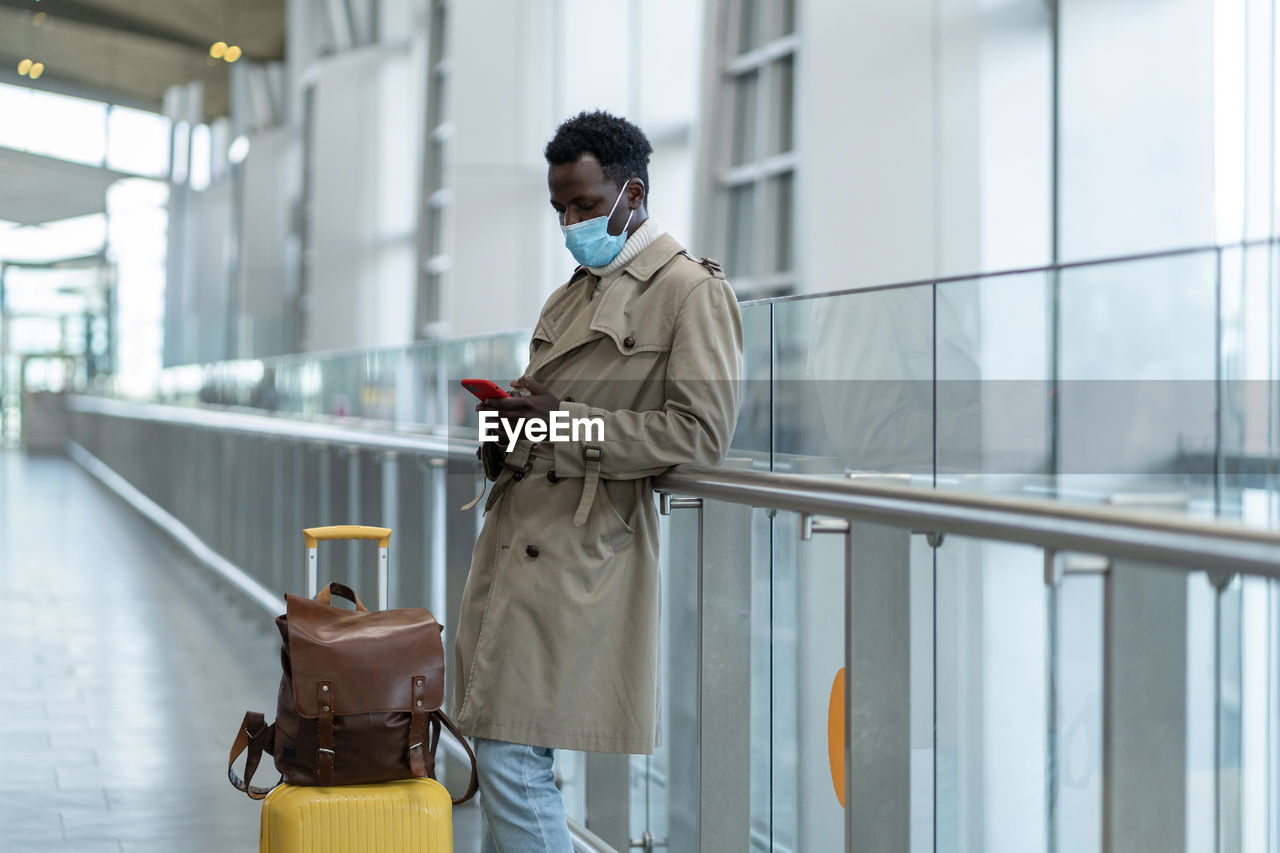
(518, 459)
(591, 455)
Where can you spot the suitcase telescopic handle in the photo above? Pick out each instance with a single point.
(347, 531)
(314, 535)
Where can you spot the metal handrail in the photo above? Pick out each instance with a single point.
(1156, 255)
(277, 426)
(1179, 541)
(1187, 543)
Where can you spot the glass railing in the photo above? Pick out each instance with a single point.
(1146, 380)
(1036, 690)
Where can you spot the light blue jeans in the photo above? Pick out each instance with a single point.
(519, 801)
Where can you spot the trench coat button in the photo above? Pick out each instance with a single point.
(628, 342)
(531, 550)
(552, 478)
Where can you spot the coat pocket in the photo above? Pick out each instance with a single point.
(616, 529)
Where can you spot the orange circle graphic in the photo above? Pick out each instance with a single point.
(835, 734)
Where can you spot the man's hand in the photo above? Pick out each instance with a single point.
(538, 406)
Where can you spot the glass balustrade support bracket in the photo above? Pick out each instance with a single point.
(648, 842)
(1052, 568)
(1220, 580)
(668, 502)
(810, 525)
(935, 538)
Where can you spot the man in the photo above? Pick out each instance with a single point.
(557, 639)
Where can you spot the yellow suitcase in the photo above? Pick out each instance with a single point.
(389, 817)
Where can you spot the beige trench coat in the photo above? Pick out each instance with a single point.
(557, 637)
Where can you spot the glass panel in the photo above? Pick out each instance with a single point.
(783, 118)
(767, 701)
(1136, 365)
(53, 125)
(788, 16)
(1142, 78)
(783, 227)
(137, 142)
(992, 684)
(1074, 766)
(854, 386)
(744, 144)
(753, 437)
(741, 254)
(1249, 401)
(201, 157)
(1202, 723)
(1228, 715)
(748, 24)
(993, 384)
(66, 238)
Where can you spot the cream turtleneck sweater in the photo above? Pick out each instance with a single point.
(636, 243)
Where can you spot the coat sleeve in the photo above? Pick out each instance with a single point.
(703, 392)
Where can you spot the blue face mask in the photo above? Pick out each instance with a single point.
(590, 242)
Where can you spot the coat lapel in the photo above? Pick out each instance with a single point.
(608, 313)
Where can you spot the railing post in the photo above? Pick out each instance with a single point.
(877, 688)
(680, 679)
(608, 790)
(724, 677)
(1144, 754)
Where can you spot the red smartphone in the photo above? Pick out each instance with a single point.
(484, 389)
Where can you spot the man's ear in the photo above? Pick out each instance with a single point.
(636, 191)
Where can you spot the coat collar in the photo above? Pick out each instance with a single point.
(608, 316)
(654, 257)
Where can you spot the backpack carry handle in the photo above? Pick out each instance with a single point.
(314, 535)
(342, 591)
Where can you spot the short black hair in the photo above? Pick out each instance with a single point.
(622, 148)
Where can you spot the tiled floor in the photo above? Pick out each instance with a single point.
(126, 670)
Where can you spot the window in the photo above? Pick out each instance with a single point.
(753, 159)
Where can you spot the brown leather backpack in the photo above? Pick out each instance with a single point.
(359, 698)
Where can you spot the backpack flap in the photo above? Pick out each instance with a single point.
(347, 662)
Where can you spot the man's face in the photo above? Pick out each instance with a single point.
(580, 191)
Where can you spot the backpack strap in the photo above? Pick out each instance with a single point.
(418, 745)
(453, 730)
(257, 737)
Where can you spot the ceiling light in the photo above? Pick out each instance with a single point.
(233, 53)
(24, 66)
(218, 49)
(36, 70)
